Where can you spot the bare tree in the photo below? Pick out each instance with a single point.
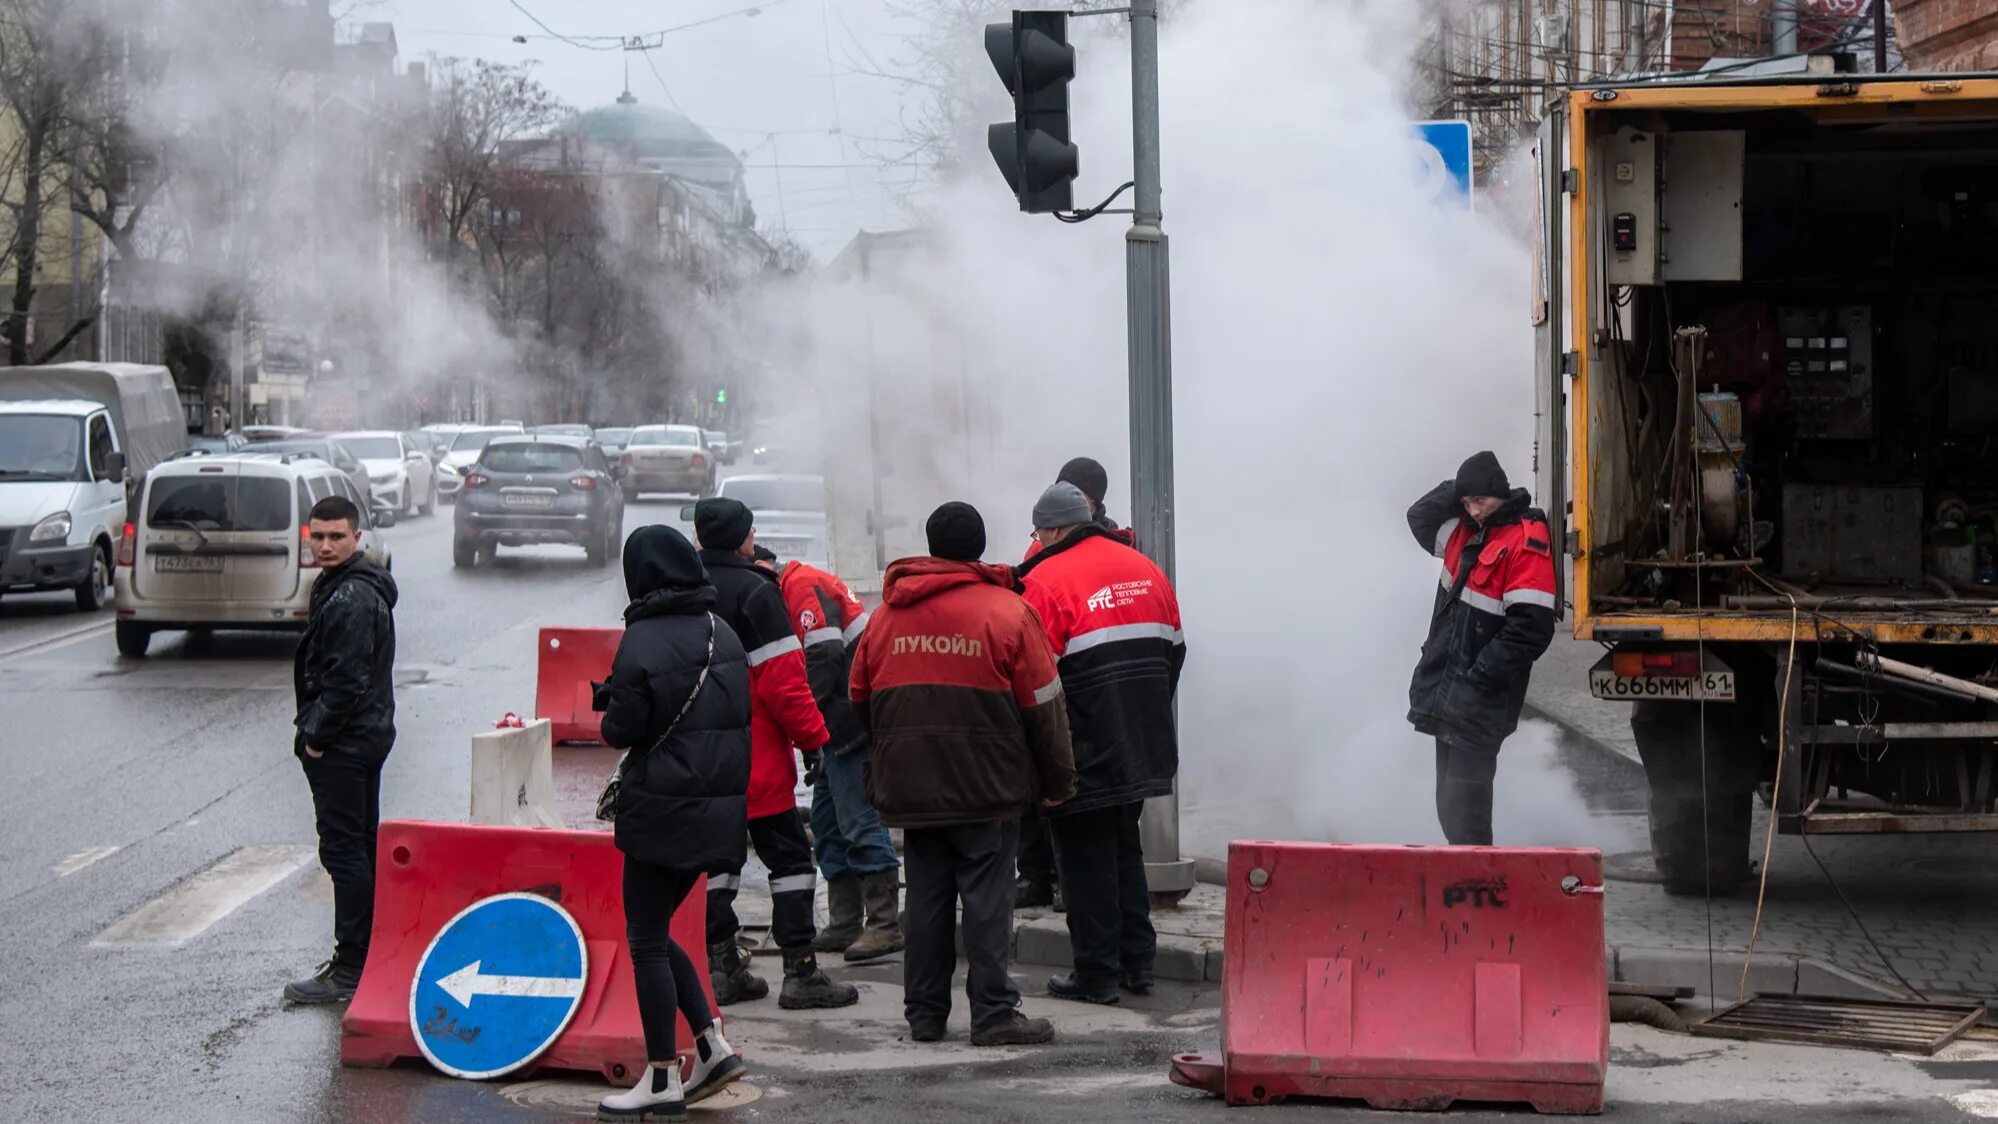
(48, 48)
(478, 108)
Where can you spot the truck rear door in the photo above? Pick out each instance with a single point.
(1552, 366)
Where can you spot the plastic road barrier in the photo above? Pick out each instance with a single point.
(1411, 977)
(567, 661)
(462, 956)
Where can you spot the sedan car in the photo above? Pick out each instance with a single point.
(399, 471)
(212, 444)
(562, 429)
(668, 458)
(530, 489)
(333, 453)
(790, 510)
(465, 446)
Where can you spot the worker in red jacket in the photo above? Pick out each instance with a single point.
(782, 714)
(1112, 619)
(856, 856)
(1494, 616)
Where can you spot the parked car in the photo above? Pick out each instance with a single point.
(612, 440)
(333, 453)
(259, 433)
(213, 444)
(533, 489)
(790, 512)
(218, 542)
(717, 443)
(668, 458)
(466, 445)
(562, 429)
(400, 472)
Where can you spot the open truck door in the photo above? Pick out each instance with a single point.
(1553, 362)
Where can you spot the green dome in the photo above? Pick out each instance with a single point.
(650, 132)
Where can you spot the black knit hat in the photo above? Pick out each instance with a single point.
(1482, 476)
(722, 524)
(1087, 474)
(956, 532)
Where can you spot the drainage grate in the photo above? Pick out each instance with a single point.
(1867, 1024)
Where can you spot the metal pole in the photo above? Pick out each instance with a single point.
(1879, 36)
(1783, 28)
(237, 357)
(1148, 294)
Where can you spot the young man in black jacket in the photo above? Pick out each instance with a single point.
(344, 680)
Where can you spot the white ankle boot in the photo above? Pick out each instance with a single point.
(657, 1096)
(716, 1065)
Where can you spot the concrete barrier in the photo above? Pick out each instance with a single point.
(513, 777)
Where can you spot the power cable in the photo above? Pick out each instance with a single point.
(1085, 216)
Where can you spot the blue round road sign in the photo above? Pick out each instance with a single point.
(498, 984)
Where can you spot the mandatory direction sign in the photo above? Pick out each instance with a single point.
(1445, 153)
(498, 984)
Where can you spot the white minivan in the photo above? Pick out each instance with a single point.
(218, 542)
(62, 498)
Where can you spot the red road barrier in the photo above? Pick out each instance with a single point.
(1411, 977)
(566, 661)
(427, 872)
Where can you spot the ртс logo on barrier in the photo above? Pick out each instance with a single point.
(1480, 892)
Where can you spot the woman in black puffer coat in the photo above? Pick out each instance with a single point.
(683, 800)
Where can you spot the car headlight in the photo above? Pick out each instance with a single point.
(53, 529)
(448, 469)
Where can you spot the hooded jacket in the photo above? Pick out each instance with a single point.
(343, 675)
(1113, 622)
(1494, 615)
(783, 712)
(683, 803)
(954, 682)
(827, 619)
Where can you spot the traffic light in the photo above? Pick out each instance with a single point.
(1035, 61)
(721, 396)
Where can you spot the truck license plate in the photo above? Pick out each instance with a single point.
(529, 499)
(187, 563)
(1711, 686)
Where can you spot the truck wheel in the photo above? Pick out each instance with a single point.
(96, 587)
(464, 553)
(1693, 860)
(429, 504)
(133, 638)
(598, 552)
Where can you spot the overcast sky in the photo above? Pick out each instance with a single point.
(794, 70)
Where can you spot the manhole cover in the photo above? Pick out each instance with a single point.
(582, 1096)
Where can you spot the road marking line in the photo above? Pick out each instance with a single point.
(1977, 1102)
(81, 859)
(62, 640)
(188, 909)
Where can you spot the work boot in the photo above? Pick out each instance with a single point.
(1013, 1029)
(1030, 894)
(334, 982)
(716, 1065)
(1137, 983)
(657, 1096)
(1070, 986)
(729, 973)
(843, 904)
(926, 1030)
(806, 987)
(883, 934)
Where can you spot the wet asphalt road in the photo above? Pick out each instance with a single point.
(127, 778)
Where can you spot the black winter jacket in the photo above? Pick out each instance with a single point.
(683, 803)
(343, 675)
(1493, 616)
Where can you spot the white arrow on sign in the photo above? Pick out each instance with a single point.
(468, 981)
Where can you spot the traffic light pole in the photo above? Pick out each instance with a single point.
(1149, 305)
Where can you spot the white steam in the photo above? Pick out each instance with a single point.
(1340, 343)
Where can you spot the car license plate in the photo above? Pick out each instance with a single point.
(1711, 686)
(527, 499)
(187, 563)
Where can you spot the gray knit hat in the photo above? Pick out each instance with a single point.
(1062, 505)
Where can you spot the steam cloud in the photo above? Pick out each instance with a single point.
(1340, 343)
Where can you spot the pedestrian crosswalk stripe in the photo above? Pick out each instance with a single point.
(1977, 1102)
(188, 909)
(81, 859)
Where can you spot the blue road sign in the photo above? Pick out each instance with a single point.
(498, 985)
(1446, 160)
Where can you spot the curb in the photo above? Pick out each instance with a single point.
(1043, 941)
(1529, 710)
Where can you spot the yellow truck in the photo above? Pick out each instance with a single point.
(1767, 323)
